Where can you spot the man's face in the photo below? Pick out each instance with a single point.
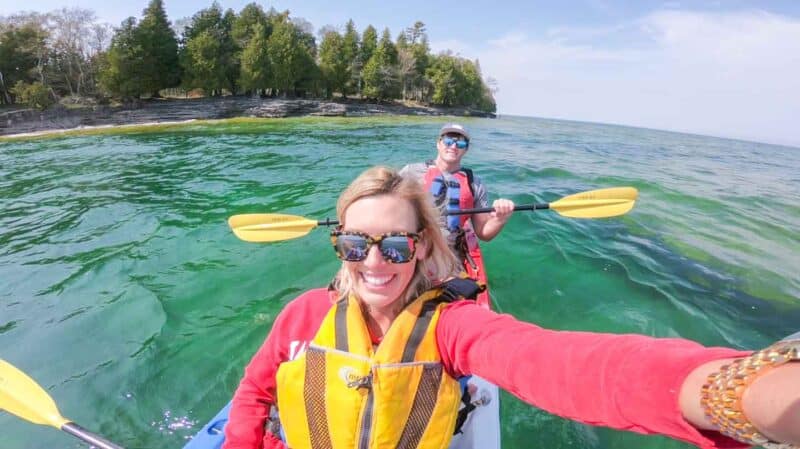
(452, 147)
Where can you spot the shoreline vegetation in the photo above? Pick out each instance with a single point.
(169, 113)
(63, 69)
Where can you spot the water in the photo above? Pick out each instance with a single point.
(125, 295)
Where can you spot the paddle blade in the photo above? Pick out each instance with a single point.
(597, 203)
(22, 396)
(270, 227)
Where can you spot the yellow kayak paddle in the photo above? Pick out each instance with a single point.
(22, 396)
(600, 203)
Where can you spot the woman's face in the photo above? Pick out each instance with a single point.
(379, 283)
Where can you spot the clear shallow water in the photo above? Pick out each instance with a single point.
(124, 294)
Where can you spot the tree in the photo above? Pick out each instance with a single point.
(207, 67)
(210, 59)
(413, 41)
(208, 18)
(256, 73)
(333, 63)
(159, 49)
(68, 64)
(230, 51)
(350, 46)
(471, 89)
(283, 54)
(369, 42)
(443, 75)
(244, 27)
(21, 48)
(35, 95)
(388, 47)
(292, 50)
(310, 77)
(406, 69)
(380, 73)
(458, 82)
(121, 66)
(416, 33)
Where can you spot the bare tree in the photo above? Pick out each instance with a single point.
(406, 63)
(72, 37)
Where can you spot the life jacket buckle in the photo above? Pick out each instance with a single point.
(361, 382)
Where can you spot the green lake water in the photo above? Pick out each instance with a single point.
(125, 295)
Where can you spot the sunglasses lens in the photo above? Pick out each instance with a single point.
(397, 249)
(351, 248)
(459, 143)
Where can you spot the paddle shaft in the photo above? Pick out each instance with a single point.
(89, 437)
(478, 210)
(483, 210)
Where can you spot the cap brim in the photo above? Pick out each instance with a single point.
(453, 131)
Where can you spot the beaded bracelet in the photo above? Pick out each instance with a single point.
(722, 393)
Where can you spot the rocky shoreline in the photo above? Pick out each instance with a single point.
(61, 118)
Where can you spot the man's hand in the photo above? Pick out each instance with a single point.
(503, 209)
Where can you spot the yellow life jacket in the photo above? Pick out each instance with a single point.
(342, 393)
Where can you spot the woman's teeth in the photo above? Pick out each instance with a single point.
(376, 280)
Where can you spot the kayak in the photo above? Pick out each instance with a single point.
(473, 265)
(481, 429)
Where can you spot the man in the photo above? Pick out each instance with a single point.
(455, 188)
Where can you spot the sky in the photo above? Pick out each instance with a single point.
(727, 68)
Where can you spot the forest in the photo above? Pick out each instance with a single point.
(67, 56)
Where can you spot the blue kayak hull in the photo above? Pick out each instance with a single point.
(212, 435)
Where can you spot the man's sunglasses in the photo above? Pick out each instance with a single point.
(396, 247)
(459, 143)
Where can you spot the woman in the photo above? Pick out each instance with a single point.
(378, 367)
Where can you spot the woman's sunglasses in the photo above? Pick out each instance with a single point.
(396, 247)
(459, 143)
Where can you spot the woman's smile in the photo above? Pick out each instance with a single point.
(376, 280)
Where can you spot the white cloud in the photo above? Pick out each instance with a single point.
(725, 74)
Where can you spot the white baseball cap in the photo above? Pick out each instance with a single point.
(454, 128)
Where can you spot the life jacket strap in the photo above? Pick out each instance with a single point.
(468, 406)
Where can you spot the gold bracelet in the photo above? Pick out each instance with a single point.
(722, 393)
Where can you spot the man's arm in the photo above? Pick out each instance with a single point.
(487, 226)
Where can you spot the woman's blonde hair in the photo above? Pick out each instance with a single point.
(439, 263)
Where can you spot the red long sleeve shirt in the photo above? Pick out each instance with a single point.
(628, 382)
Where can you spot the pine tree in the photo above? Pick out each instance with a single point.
(369, 42)
(256, 73)
(122, 75)
(350, 47)
(210, 65)
(207, 68)
(282, 53)
(334, 64)
(159, 49)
